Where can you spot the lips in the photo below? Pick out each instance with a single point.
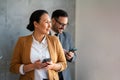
(61, 28)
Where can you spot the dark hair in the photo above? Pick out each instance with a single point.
(59, 12)
(35, 16)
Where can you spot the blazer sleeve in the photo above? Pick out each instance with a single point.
(61, 55)
(16, 57)
(69, 45)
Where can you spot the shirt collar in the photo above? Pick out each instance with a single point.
(43, 41)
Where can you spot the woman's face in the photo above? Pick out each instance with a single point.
(44, 25)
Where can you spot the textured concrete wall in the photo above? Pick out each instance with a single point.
(14, 16)
(98, 28)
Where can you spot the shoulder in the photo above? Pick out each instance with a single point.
(66, 34)
(25, 38)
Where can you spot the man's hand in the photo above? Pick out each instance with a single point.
(69, 55)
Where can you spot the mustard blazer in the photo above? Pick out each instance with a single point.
(21, 55)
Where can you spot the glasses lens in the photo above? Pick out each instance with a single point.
(62, 24)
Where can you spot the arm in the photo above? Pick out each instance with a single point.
(68, 47)
(61, 56)
(57, 55)
(70, 55)
(16, 58)
(37, 65)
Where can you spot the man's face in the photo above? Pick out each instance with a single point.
(60, 24)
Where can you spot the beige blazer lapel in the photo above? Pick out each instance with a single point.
(51, 48)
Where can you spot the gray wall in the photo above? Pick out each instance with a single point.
(98, 39)
(14, 16)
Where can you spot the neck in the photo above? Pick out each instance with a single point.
(39, 37)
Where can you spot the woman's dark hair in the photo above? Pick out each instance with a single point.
(35, 16)
(58, 13)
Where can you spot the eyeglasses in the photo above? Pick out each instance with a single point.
(61, 24)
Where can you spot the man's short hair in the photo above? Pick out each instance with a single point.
(59, 13)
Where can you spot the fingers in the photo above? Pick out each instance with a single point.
(50, 65)
(47, 65)
(69, 55)
(37, 64)
(43, 65)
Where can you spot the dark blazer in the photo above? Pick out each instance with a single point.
(67, 44)
(21, 55)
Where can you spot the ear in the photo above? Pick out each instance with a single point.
(53, 21)
(35, 24)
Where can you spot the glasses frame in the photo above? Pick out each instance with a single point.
(61, 24)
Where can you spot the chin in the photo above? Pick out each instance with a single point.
(60, 31)
(48, 32)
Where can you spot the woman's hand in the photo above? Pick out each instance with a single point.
(38, 64)
(53, 66)
(50, 65)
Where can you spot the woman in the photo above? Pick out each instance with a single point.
(30, 51)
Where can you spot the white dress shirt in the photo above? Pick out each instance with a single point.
(39, 51)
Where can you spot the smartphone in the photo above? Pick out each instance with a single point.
(46, 60)
(74, 49)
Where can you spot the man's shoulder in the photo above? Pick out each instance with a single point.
(66, 34)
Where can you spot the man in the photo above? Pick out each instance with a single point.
(59, 24)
